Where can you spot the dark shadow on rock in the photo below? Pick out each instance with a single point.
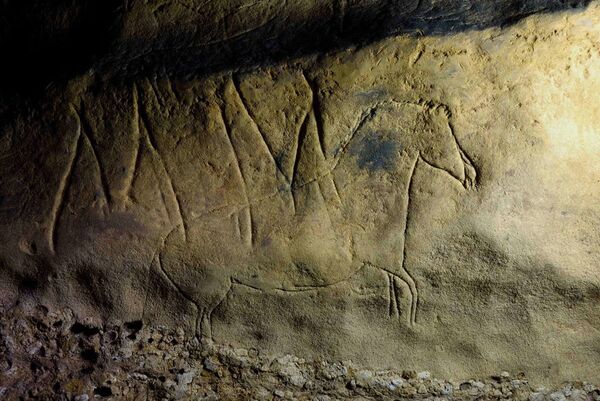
(47, 41)
(43, 42)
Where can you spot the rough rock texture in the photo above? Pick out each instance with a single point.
(51, 356)
(420, 202)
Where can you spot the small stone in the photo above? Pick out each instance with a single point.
(279, 393)
(186, 377)
(297, 380)
(557, 396)
(588, 388)
(211, 364)
(363, 378)
(81, 397)
(409, 374)
(138, 376)
(424, 375)
(169, 383)
(210, 396)
(578, 395)
(322, 397)
(351, 385)
(397, 382)
(180, 333)
(568, 390)
(537, 396)
(447, 389)
(263, 394)
(333, 370)
(516, 383)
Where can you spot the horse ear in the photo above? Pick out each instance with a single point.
(438, 146)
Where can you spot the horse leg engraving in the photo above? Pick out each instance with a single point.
(205, 322)
(174, 284)
(395, 294)
(404, 274)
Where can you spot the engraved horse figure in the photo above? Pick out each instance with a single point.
(333, 215)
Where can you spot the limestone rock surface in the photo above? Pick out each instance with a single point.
(421, 201)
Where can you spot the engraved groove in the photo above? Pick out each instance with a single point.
(395, 273)
(210, 311)
(335, 187)
(465, 158)
(227, 128)
(412, 286)
(137, 153)
(299, 186)
(390, 279)
(305, 288)
(86, 131)
(325, 203)
(243, 101)
(64, 185)
(316, 109)
(301, 137)
(178, 289)
(152, 147)
(251, 227)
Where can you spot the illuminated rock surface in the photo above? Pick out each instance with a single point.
(404, 200)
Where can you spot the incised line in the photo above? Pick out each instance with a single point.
(64, 184)
(248, 111)
(86, 131)
(152, 147)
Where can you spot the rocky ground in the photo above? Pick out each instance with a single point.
(51, 356)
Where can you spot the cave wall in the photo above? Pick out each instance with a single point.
(419, 188)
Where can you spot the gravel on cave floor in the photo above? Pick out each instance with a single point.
(50, 356)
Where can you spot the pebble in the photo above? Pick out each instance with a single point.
(424, 375)
(409, 374)
(210, 396)
(558, 396)
(211, 364)
(363, 378)
(397, 382)
(333, 370)
(537, 396)
(186, 377)
(447, 389)
(478, 384)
